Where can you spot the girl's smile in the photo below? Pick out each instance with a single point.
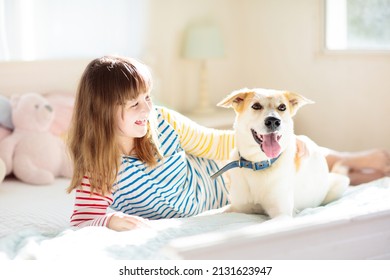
(141, 122)
(132, 120)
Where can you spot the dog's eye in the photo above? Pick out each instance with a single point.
(257, 106)
(282, 107)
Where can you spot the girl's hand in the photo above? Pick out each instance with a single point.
(122, 222)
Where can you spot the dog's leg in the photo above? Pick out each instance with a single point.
(280, 206)
(280, 212)
(337, 186)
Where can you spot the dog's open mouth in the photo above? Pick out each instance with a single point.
(269, 143)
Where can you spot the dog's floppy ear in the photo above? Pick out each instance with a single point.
(235, 99)
(296, 101)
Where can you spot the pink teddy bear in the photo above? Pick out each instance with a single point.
(2, 170)
(31, 152)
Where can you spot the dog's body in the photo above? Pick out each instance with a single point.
(264, 131)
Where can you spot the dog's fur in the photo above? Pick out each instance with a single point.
(264, 129)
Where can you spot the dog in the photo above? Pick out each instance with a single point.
(268, 175)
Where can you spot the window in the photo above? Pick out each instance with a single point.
(58, 29)
(357, 24)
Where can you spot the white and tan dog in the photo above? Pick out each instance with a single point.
(273, 178)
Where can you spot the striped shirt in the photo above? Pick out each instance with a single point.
(180, 184)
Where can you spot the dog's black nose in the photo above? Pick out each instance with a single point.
(272, 123)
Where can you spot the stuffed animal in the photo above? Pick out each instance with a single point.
(4, 132)
(31, 152)
(6, 125)
(62, 104)
(5, 113)
(2, 170)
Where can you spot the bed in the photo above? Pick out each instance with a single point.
(34, 225)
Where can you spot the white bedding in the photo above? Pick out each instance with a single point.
(43, 208)
(34, 225)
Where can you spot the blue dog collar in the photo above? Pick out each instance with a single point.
(242, 162)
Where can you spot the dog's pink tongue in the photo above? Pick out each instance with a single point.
(270, 145)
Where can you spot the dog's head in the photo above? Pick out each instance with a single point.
(264, 119)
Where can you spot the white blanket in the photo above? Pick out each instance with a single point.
(34, 224)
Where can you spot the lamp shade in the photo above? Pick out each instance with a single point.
(203, 41)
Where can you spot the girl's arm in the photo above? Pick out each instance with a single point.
(199, 140)
(90, 209)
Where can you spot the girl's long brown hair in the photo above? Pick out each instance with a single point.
(106, 84)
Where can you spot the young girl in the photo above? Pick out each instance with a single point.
(139, 160)
(142, 161)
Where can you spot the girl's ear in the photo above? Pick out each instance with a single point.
(235, 99)
(296, 101)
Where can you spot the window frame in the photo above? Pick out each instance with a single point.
(346, 51)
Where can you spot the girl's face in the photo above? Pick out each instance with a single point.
(133, 119)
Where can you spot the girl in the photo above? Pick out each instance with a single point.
(144, 162)
(139, 160)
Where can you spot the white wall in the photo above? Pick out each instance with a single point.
(269, 43)
(278, 44)
(352, 91)
(40, 76)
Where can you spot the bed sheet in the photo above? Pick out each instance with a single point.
(34, 224)
(43, 208)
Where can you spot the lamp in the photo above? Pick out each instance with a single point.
(203, 42)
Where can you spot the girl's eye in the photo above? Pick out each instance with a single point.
(134, 105)
(282, 107)
(257, 106)
(148, 98)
